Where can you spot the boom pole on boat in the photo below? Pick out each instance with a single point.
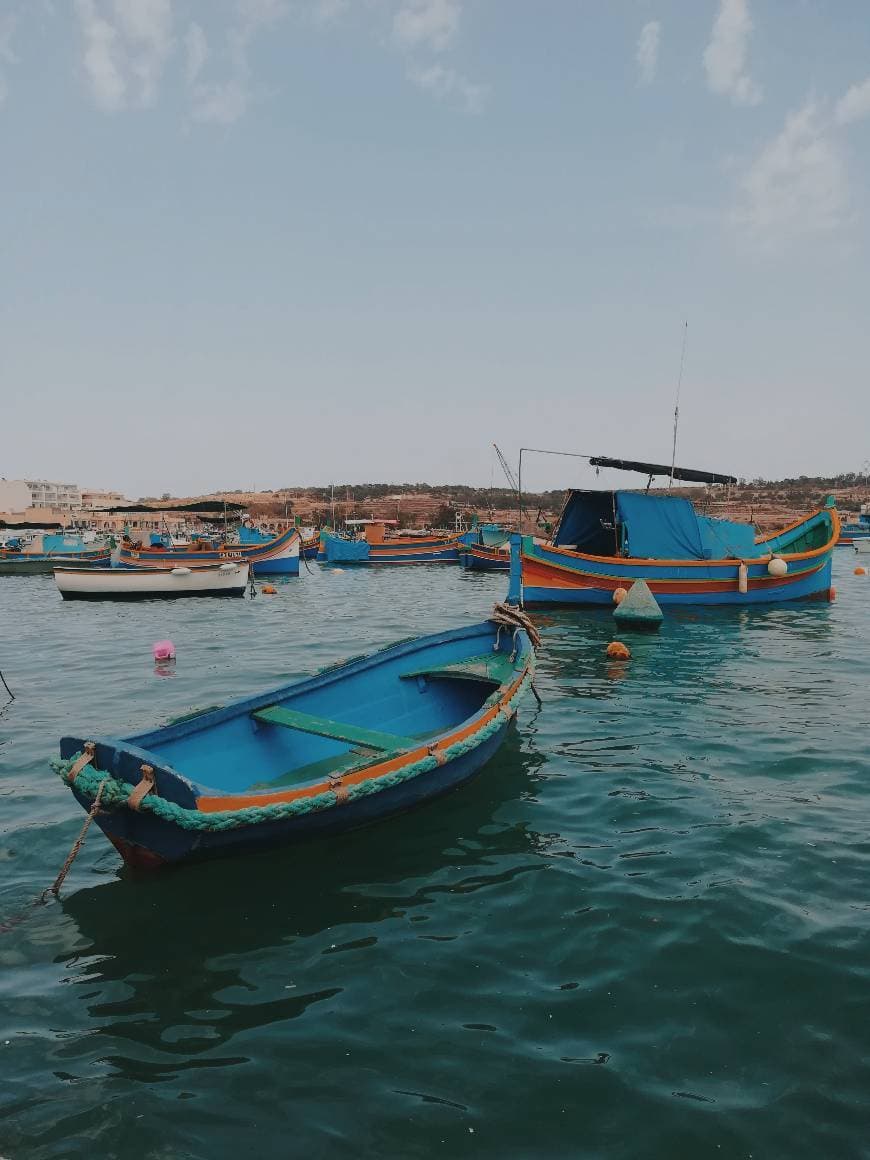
(677, 405)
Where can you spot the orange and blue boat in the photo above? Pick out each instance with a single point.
(481, 558)
(375, 547)
(354, 744)
(276, 556)
(606, 540)
(308, 546)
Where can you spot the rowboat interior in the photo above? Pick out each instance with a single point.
(343, 719)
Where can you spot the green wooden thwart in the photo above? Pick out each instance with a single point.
(337, 730)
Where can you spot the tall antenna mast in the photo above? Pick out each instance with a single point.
(677, 404)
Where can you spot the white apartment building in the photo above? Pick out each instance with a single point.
(62, 496)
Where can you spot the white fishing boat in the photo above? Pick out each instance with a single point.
(862, 546)
(227, 579)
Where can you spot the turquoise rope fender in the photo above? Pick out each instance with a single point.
(115, 793)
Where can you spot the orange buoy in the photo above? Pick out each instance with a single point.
(619, 594)
(859, 571)
(269, 589)
(617, 651)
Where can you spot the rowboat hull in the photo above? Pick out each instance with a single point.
(20, 564)
(544, 575)
(277, 557)
(479, 558)
(151, 583)
(210, 788)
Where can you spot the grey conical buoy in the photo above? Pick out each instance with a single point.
(639, 608)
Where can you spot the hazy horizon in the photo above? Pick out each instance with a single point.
(309, 239)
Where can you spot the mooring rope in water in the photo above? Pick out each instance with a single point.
(76, 846)
(6, 687)
(40, 900)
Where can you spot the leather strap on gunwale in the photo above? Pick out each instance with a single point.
(145, 786)
(86, 758)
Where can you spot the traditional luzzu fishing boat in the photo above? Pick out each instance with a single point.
(606, 540)
(272, 557)
(376, 548)
(151, 583)
(353, 744)
(47, 552)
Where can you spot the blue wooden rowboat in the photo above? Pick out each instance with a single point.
(353, 744)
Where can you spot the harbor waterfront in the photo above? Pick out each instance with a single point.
(640, 931)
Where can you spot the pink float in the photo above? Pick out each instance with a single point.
(164, 650)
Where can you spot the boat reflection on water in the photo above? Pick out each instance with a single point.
(195, 951)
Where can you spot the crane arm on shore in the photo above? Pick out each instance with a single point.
(505, 466)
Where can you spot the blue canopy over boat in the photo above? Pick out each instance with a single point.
(644, 525)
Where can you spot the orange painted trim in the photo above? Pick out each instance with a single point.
(539, 573)
(214, 803)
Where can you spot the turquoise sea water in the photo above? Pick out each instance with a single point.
(641, 932)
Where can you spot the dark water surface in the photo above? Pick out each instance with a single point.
(641, 932)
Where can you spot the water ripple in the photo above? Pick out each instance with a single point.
(641, 931)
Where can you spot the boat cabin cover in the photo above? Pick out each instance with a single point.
(646, 526)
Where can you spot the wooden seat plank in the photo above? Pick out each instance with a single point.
(337, 730)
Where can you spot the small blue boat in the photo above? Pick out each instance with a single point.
(480, 558)
(307, 549)
(855, 529)
(49, 551)
(353, 744)
(377, 549)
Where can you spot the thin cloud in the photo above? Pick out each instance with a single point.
(196, 49)
(430, 24)
(7, 56)
(647, 54)
(125, 45)
(725, 55)
(798, 183)
(854, 105)
(446, 84)
(226, 102)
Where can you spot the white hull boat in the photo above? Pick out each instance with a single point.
(151, 583)
(862, 546)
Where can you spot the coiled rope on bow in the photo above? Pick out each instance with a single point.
(507, 616)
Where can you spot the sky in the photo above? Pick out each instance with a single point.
(266, 243)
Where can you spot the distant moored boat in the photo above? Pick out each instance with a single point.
(151, 583)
